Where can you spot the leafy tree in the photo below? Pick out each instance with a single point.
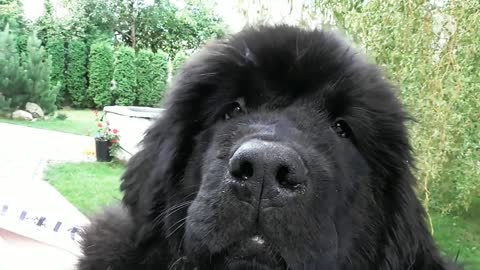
(128, 13)
(201, 23)
(178, 29)
(37, 71)
(56, 49)
(160, 26)
(11, 13)
(12, 76)
(76, 82)
(103, 20)
(100, 74)
(124, 76)
(47, 25)
(431, 51)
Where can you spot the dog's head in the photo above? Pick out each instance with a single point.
(279, 148)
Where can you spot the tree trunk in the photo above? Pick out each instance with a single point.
(134, 38)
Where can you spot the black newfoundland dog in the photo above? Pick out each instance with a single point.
(280, 148)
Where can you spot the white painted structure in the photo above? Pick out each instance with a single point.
(131, 122)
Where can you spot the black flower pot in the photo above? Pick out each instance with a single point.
(102, 149)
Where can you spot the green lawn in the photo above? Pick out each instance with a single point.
(460, 234)
(90, 186)
(80, 122)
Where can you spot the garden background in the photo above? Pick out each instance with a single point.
(82, 55)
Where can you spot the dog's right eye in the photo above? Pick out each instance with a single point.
(233, 110)
(341, 128)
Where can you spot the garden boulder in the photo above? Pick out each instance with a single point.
(34, 109)
(22, 115)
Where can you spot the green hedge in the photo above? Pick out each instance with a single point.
(100, 74)
(152, 73)
(178, 61)
(143, 64)
(76, 73)
(56, 50)
(160, 75)
(124, 76)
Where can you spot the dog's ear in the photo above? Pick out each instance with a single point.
(155, 172)
(151, 172)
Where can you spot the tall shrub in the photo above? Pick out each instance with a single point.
(56, 50)
(76, 73)
(4, 104)
(124, 76)
(143, 65)
(12, 76)
(179, 59)
(100, 74)
(159, 71)
(37, 67)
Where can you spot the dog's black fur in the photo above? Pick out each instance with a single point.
(351, 204)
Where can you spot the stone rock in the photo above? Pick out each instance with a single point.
(22, 115)
(34, 109)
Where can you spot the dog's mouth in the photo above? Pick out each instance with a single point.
(254, 253)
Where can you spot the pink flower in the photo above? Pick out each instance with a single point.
(115, 131)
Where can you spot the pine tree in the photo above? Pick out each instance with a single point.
(12, 76)
(37, 66)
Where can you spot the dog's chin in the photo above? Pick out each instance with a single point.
(254, 253)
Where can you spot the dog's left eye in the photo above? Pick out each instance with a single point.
(234, 110)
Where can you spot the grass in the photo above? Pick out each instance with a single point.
(88, 186)
(81, 122)
(460, 235)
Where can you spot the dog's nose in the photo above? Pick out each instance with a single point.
(265, 161)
